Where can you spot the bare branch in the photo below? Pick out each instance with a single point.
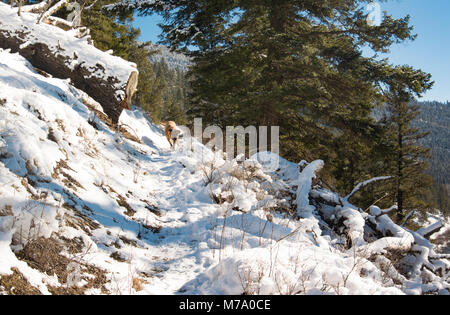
(365, 183)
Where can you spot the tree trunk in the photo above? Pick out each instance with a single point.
(400, 215)
(109, 80)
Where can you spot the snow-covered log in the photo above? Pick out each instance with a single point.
(35, 8)
(393, 237)
(428, 231)
(52, 10)
(110, 80)
(304, 187)
(364, 184)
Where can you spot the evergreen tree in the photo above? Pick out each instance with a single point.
(297, 64)
(173, 86)
(110, 30)
(113, 30)
(407, 157)
(149, 95)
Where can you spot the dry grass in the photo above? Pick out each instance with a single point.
(16, 284)
(118, 257)
(68, 180)
(79, 220)
(45, 255)
(138, 284)
(6, 211)
(123, 203)
(218, 199)
(123, 131)
(443, 242)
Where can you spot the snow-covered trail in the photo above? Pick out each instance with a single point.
(58, 155)
(176, 247)
(157, 221)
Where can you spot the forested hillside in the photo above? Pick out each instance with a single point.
(435, 119)
(174, 60)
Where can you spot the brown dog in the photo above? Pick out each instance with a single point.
(171, 132)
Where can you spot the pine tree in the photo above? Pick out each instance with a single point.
(292, 63)
(173, 87)
(114, 31)
(110, 30)
(407, 156)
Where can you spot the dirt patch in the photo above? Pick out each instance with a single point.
(153, 229)
(152, 208)
(42, 72)
(123, 131)
(68, 180)
(123, 203)
(6, 211)
(45, 255)
(51, 135)
(16, 284)
(117, 256)
(128, 241)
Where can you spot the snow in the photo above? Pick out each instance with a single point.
(400, 239)
(304, 187)
(225, 226)
(65, 44)
(428, 229)
(354, 222)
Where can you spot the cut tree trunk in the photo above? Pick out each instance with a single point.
(109, 80)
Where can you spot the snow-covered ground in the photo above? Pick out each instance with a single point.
(134, 217)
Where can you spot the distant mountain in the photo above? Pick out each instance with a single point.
(435, 118)
(175, 61)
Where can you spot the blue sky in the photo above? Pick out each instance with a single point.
(429, 52)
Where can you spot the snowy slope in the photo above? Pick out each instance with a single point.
(118, 216)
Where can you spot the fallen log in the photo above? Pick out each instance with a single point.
(108, 79)
(428, 231)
